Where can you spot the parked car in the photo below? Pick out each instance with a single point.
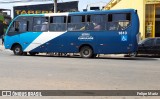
(149, 46)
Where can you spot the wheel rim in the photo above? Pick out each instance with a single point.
(86, 52)
(17, 50)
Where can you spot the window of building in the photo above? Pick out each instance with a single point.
(118, 21)
(40, 24)
(76, 23)
(57, 23)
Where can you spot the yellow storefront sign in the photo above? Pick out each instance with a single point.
(18, 12)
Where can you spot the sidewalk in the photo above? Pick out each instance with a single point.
(3, 50)
(1, 47)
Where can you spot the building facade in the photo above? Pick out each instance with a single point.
(45, 8)
(148, 11)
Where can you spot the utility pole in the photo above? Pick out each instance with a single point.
(55, 6)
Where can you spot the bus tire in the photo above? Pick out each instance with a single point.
(17, 50)
(86, 52)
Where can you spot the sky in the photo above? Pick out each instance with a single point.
(82, 3)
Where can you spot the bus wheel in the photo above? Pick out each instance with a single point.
(17, 50)
(32, 53)
(86, 52)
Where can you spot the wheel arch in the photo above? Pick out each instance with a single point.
(15, 45)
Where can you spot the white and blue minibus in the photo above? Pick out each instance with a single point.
(88, 33)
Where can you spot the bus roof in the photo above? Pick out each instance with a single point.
(79, 13)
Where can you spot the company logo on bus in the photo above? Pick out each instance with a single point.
(85, 36)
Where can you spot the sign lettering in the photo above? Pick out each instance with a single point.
(18, 12)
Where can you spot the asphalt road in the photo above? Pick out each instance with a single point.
(42, 72)
(72, 73)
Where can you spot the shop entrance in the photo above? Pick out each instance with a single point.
(149, 20)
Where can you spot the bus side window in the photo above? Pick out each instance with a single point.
(44, 22)
(96, 23)
(40, 24)
(112, 22)
(57, 23)
(76, 23)
(22, 26)
(119, 21)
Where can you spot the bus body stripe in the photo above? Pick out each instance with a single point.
(43, 38)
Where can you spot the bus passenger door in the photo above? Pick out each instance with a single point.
(33, 37)
(25, 36)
